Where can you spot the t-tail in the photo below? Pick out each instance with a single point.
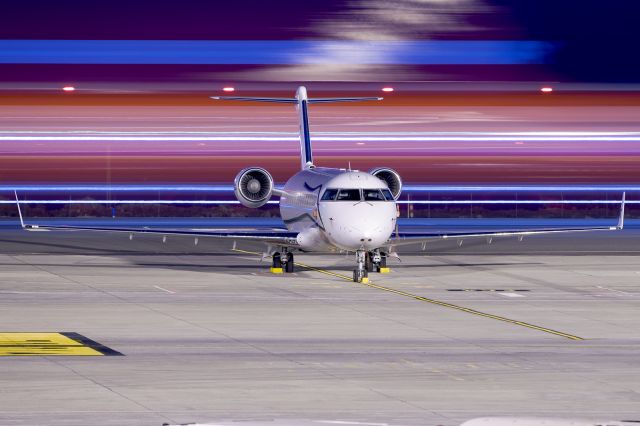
(302, 105)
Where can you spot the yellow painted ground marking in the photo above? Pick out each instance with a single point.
(439, 303)
(48, 344)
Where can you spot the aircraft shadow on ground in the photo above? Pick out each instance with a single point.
(139, 258)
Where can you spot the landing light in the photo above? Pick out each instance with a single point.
(68, 89)
(228, 89)
(546, 89)
(387, 89)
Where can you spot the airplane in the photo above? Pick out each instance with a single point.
(483, 421)
(545, 421)
(326, 209)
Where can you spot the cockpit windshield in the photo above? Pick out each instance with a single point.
(387, 195)
(331, 194)
(349, 195)
(373, 195)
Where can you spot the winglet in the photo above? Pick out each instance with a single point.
(19, 211)
(621, 217)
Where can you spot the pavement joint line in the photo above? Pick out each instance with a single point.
(436, 302)
(164, 289)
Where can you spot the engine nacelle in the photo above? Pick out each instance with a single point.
(391, 178)
(253, 187)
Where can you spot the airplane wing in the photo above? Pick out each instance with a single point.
(281, 237)
(408, 238)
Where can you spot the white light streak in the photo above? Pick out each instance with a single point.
(328, 138)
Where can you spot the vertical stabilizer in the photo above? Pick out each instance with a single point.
(306, 155)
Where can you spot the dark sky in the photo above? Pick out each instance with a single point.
(597, 41)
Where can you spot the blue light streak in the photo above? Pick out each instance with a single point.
(273, 52)
(229, 188)
(116, 188)
(222, 202)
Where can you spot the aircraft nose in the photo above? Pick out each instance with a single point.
(364, 225)
(364, 234)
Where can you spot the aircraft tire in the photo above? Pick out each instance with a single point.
(277, 260)
(368, 263)
(289, 264)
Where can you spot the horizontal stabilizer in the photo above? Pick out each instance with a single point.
(294, 100)
(328, 100)
(241, 98)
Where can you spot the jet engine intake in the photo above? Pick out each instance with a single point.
(253, 187)
(391, 178)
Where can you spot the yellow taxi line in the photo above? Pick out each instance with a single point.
(437, 302)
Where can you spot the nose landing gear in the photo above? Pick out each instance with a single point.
(369, 262)
(360, 274)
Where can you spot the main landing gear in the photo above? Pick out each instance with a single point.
(369, 261)
(282, 262)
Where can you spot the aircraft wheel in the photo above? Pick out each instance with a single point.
(383, 262)
(289, 264)
(368, 263)
(359, 275)
(277, 260)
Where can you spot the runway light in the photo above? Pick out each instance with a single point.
(68, 89)
(387, 89)
(359, 143)
(228, 89)
(546, 89)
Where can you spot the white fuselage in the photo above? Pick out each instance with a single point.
(338, 209)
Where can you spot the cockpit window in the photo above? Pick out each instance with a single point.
(387, 194)
(329, 195)
(348, 195)
(373, 195)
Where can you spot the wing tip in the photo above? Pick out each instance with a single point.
(620, 225)
(19, 210)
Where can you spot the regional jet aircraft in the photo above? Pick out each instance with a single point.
(326, 209)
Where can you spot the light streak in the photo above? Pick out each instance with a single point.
(223, 202)
(274, 52)
(328, 138)
(168, 132)
(202, 202)
(229, 188)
